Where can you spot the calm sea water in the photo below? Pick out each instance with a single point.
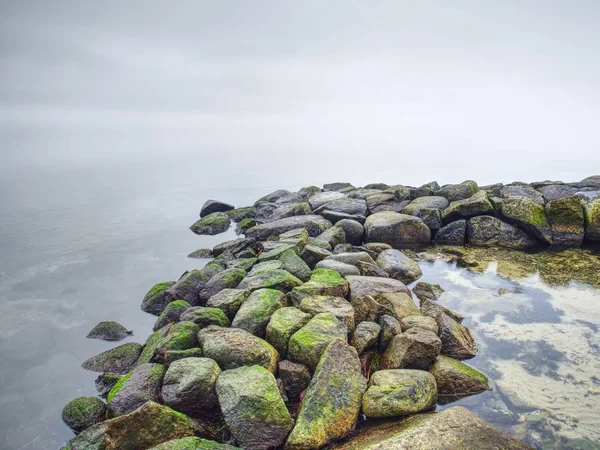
(82, 246)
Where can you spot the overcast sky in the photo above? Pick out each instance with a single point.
(474, 85)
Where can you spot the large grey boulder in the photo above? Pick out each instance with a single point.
(120, 359)
(592, 220)
(83, 412)
(342, 268)
(488, 231)
(255, 313)
(567, 221)
(315, 225)
(135, 388)
(321, 198)
(212, 224)
(157, 298)
(557, 191)
(416, 348)
(452, 234)
(454, 192)
(399, 266)
(520, 191)
(527, 215)
(346, 205)
(109, 331)
(456, 380)
(188, 287)
(283, 324)
(397, 230)
(427, 202)
(227, 279)
(213, 206)
(229, 301)
(338, 306)
(476, 205)
(353, 229)
(365, 336)
(253, 408)
(189, 386)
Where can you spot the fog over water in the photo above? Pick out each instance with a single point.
(118, 119)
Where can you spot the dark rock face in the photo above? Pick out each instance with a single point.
(397, 230)
(353, 229)
(426, 202)
(414, 349)
(120, 359)
(488, 231)
(295, 378)
(567, 221)
(454, 192)
(213, 206)
(187, 288)
(475, 205)
(315, 225)
(522, 192)
(337, 186)
(109, 331)
(212, 224)
(346, 205)
(452, 234)
(171, 314)
(342, 268)
(83, 412)
(135, 389)
(527, 215)
(390, 327)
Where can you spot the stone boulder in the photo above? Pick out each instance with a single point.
(338, 186)
(253, 408)
(321, 198)
(312, 254)
(487, 231)
(213, 206)
(278, 279)
(193, 443)
(427, 202)
(187, 288)
(567, 221)
(365, 336)
(295, 378)
(397, 230)
(399, 266)
(424, 322)
(592, 220)
(456, 380)
(332, 236)
(454, 192)
(457, 341)
(109, 331)
(527, 215)
(157, 298)
(452, 234)
(204, 316)
(212, 224)
(83, 412)
(233, 347)
(255, 313)
(283, 324)
(314, 225)
(338, 306)
(291, 262)
(398, 393)
(557, 191)
(171, 314)
(452, 428)
(416, 348)
(384, 201)
(353, 229)
(519, 191)
(135, 388)
(308, 343)
(228, 300)
(321, 282)
(227, 279)
(346, 205)
(476, 205)
(332, 402)
(427, 290)
(119, 360)
(342, 268)
(390, 327)
(189, 386)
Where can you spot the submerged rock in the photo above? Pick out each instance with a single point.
(253, 408)
(213, 206)
(399, 393)
(83, 412)
(427, 290)
(120, 359)
(147, 426)
(390, 327)
(455, 427)
(109, 331)
(397, 230)
(332, 402)
(212, 224)
(456, 380)
(135, 388)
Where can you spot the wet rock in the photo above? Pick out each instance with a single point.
(528, 215)
(455, 192)
(456, 380)
(365, 336)
(295, 265)
(297, 237)
(333, 236)
(476, 205)
(234, 247)
(233, 347)
(147, 426)
(399, 266)
(322, 282)
(424, 322)
(83, 412)
(365, 293)
(332, 402)
(354, 230)
(371, 270)
(307, 344)
(213, 267)
(109, 331)
(171, 356)
(119, 360)
(383, 201)
(592, 220)
(567, 221)
(452, 234)
(369, 308)
(557, 191)
(433, 309)
(135, 388)
(457, 341)
(488, 231)
(227, 279)
(428, 202)
(204, 316)
(416, 348)
(278, 279)
(352, 257)
(271, 254)
(243, 213)
(522, 192)
(187, 288)
(213, 206)
(321, 198)
(398, 393)
(427, 290)
(179, 336)
(269, 212)
(314, 225)
(346, 205)
(201, 253)
(336, 217)
(212, 224)
(171, 314)
(397, 230)
(295, 378)
(376, 186)
(318, 243)
(189, 386)
(228, 300)
(105, 382)
(431, 217)
(439, 431)
(337, 306)
(193, 443)
(309, 191)
(255, 313)
(157, 298)
(390, 327)
(283, 324)
(311, 255)
(337, 186)
(253, 408)
(342, 268)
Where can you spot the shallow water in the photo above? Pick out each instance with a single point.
(79, 247)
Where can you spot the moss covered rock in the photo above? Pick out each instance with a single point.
(233, 347)
(83, 412)
(227, 279)
(452, 234)
(338, 306)
(457, 341)
(109, 331)
(332, 402)
(171, 314)
(204, 316)
(456, 380)
(314, 225)
(188, 287)
(365, 336)
(487, 231)
(291, 262)
(399, 392)
(215, 223)
(147, 426)
(135, 388)
(322, 282)
(342, 268)
(171, 356)
(228, 301)
(426, 202)
(240, 214)
(189, 386)
(592, 220)
(178, 336)
(120, 359)
(416, 348)
(105, 382)
(567, 221)
(397, 230)
(307, 344)
(390, 327)
(528, 215)
(312, 254)
(283, 324)
(476, 205)
(399, 266)
(253, 408)
(255, 313)
(157, 298)
(454, 192)
(295, 378)
(278, 279)
(193, 443)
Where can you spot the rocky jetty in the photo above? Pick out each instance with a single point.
(292, 334)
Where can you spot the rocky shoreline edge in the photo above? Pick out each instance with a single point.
(290, 336)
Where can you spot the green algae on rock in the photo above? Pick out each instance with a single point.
(134, 389)
(214, 223)
(171, 313)
(157, 298)
(255, 313)
(321, 282)
(567, 221)
(119, 360)
(283, 324)
(456, 380)
(109, 331)
(193, 443)
(83, 412)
